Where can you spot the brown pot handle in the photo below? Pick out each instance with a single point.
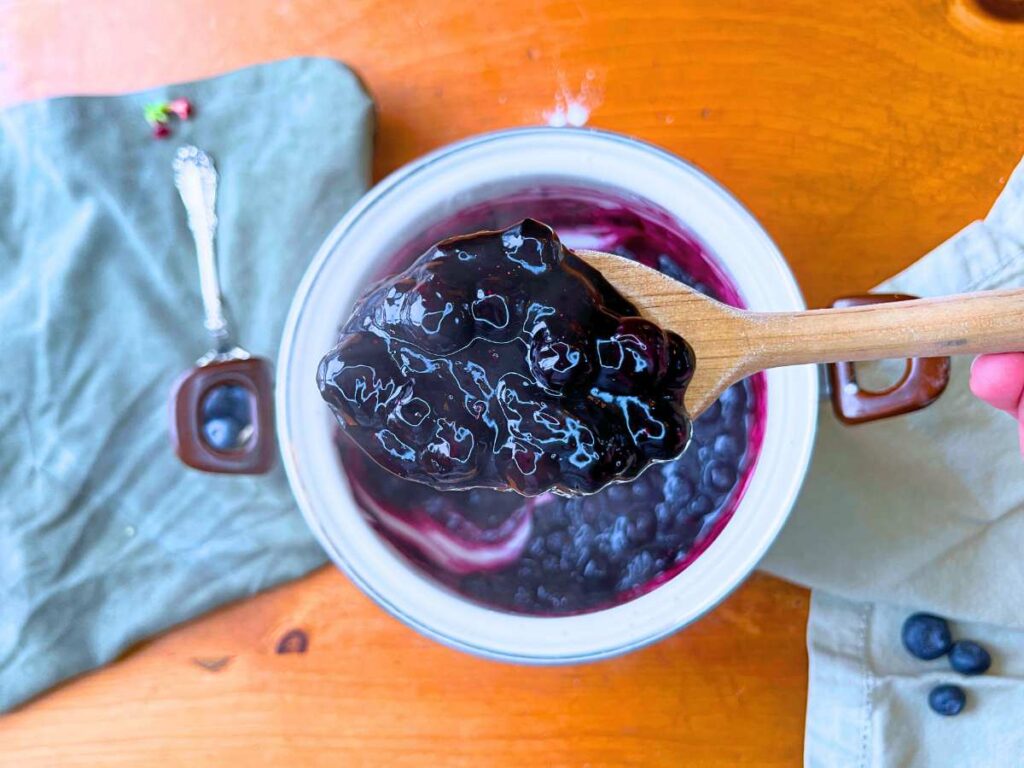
(924, 379)
(256, 454)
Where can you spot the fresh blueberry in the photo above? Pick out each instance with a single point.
(223, 434)
(947, 700)
(969, 658)
(926, 636)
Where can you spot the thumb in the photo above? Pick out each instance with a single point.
(999, 381)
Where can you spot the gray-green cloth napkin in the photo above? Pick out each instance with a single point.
(105, 537)
(919, 512)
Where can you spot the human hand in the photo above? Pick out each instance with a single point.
(999, 381)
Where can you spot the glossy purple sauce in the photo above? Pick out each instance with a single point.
(551, 555)
(502, 360)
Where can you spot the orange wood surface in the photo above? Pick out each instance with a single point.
(861, 133)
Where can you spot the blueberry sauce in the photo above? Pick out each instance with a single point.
(550, 554)
(502, 360)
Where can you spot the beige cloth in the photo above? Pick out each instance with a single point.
(920, 512)
(867, 704)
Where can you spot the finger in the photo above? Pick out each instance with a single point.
(999, 380)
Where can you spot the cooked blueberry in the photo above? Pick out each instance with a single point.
(557, 363)
(223, 434)
(681, 363)
(701, 505)
(643, 526)
(668, 266)
(556, 542)
(643, 491)
(665, 512)
(678, 489)
(719, 476)
(618, 492)
(734, 405)
(636, 356)
(536, 547)
(926, 636)
(969, 658)
(704, 433)
(638, 570)
(728, 447)
(618, 539)
(594, 569)
(502, 360)
(947, 700)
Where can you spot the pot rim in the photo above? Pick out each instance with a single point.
(793, 381)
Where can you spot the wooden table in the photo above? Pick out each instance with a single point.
(861, 132)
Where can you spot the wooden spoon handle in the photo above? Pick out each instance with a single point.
(965, 324)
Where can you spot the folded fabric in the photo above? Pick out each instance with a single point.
(105, 537)
(867, 699)
(922, 511)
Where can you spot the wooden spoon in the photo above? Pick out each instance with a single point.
(731, 344)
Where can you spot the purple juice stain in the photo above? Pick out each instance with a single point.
(293, 641)
(558, 555)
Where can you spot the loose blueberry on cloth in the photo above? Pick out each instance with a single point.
(105, 537)
(947, 699)
(927, 637)
(969, 658)
(923, 512)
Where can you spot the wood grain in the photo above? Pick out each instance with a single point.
(861, 133)
(370, 692)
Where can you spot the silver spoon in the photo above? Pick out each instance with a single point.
(222, 418)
